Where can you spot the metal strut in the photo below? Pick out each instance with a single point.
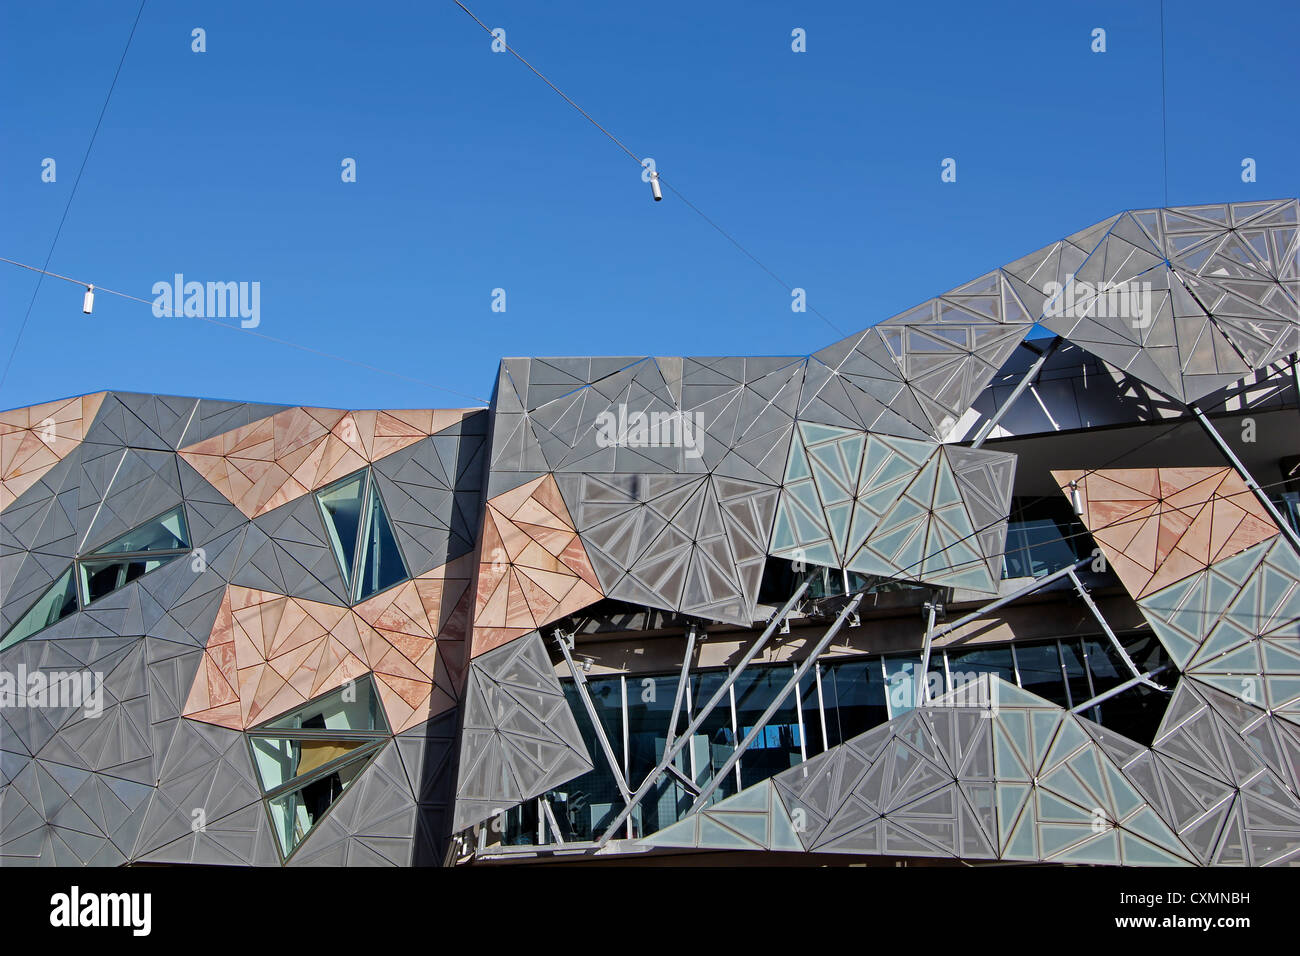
(1105, 626)
(707, 790)
(580, 682)
(673, 749)
(1035, 585)
(1246, 476)
(1030, 374)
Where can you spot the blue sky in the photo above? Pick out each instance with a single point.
(472, 175)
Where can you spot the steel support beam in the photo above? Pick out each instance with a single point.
(707, 790)
(580, 682)
(1030, 374)
(1120, 688)
(1035, 585)
(1105, 626)
(673, 749)
(931, 606)
(681, 778)
(550, 818)
(1246, 476)
(681, 685)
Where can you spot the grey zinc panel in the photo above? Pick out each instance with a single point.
(206, 768)
(118, 424)
(208, 513)
(240, 838)
(143, 484)
(519, 737)
(377, 810)
(212, 418)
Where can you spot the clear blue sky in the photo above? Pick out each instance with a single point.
(473, 175)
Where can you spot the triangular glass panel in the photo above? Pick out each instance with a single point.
(341, 506)
(353, 708)
(361, 537)
(306, 759)
(381, 564)
(144, 548)
(167, 532)
(52, 606)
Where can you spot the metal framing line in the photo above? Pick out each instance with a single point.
(1030, 374)
(1035, 585)
(1246, 476)
(707, 790)
(1120, 688)
(550, 818)
(931, 606)
(580, 682)
(1105, 626)
(671, 751)
(681, 685)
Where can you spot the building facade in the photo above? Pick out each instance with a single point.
(1013, 576)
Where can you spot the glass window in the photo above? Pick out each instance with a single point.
(649, 712)
(360, 535)
(853, 692)
(355, 707)
(381, 561)
(133, 555)
(778, 745)
(306, 759)
(52, 606)
(966, 664)
(341, 503)
(100, 577)
(296, 811)
(281, 759)
(1288, 504)
(715, 739)
(902, 683)
(814, 739)
(104, 570)
(1042, 537)
(1036, 548)
(1040, 672)
(1076, 673)
(585, 806)
(167, 532)
(1136, 713)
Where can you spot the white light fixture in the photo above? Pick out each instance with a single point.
(1076, 498)
(654, 186)
(88, 303)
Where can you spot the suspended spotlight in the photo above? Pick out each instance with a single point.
(654, 186)
(88, 303)
(1076, 498)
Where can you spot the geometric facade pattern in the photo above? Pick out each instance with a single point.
(418, 553)
(692, 543)
(33, 440)
(1222, 774)
(1158, 525)
(269, 653)
(1018, 778)
(254, 599)
(533, 569)
(274, 460)
(895, 507)
(1214, 292)
(518, 737)
(1219, 584)
(1236, 626)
